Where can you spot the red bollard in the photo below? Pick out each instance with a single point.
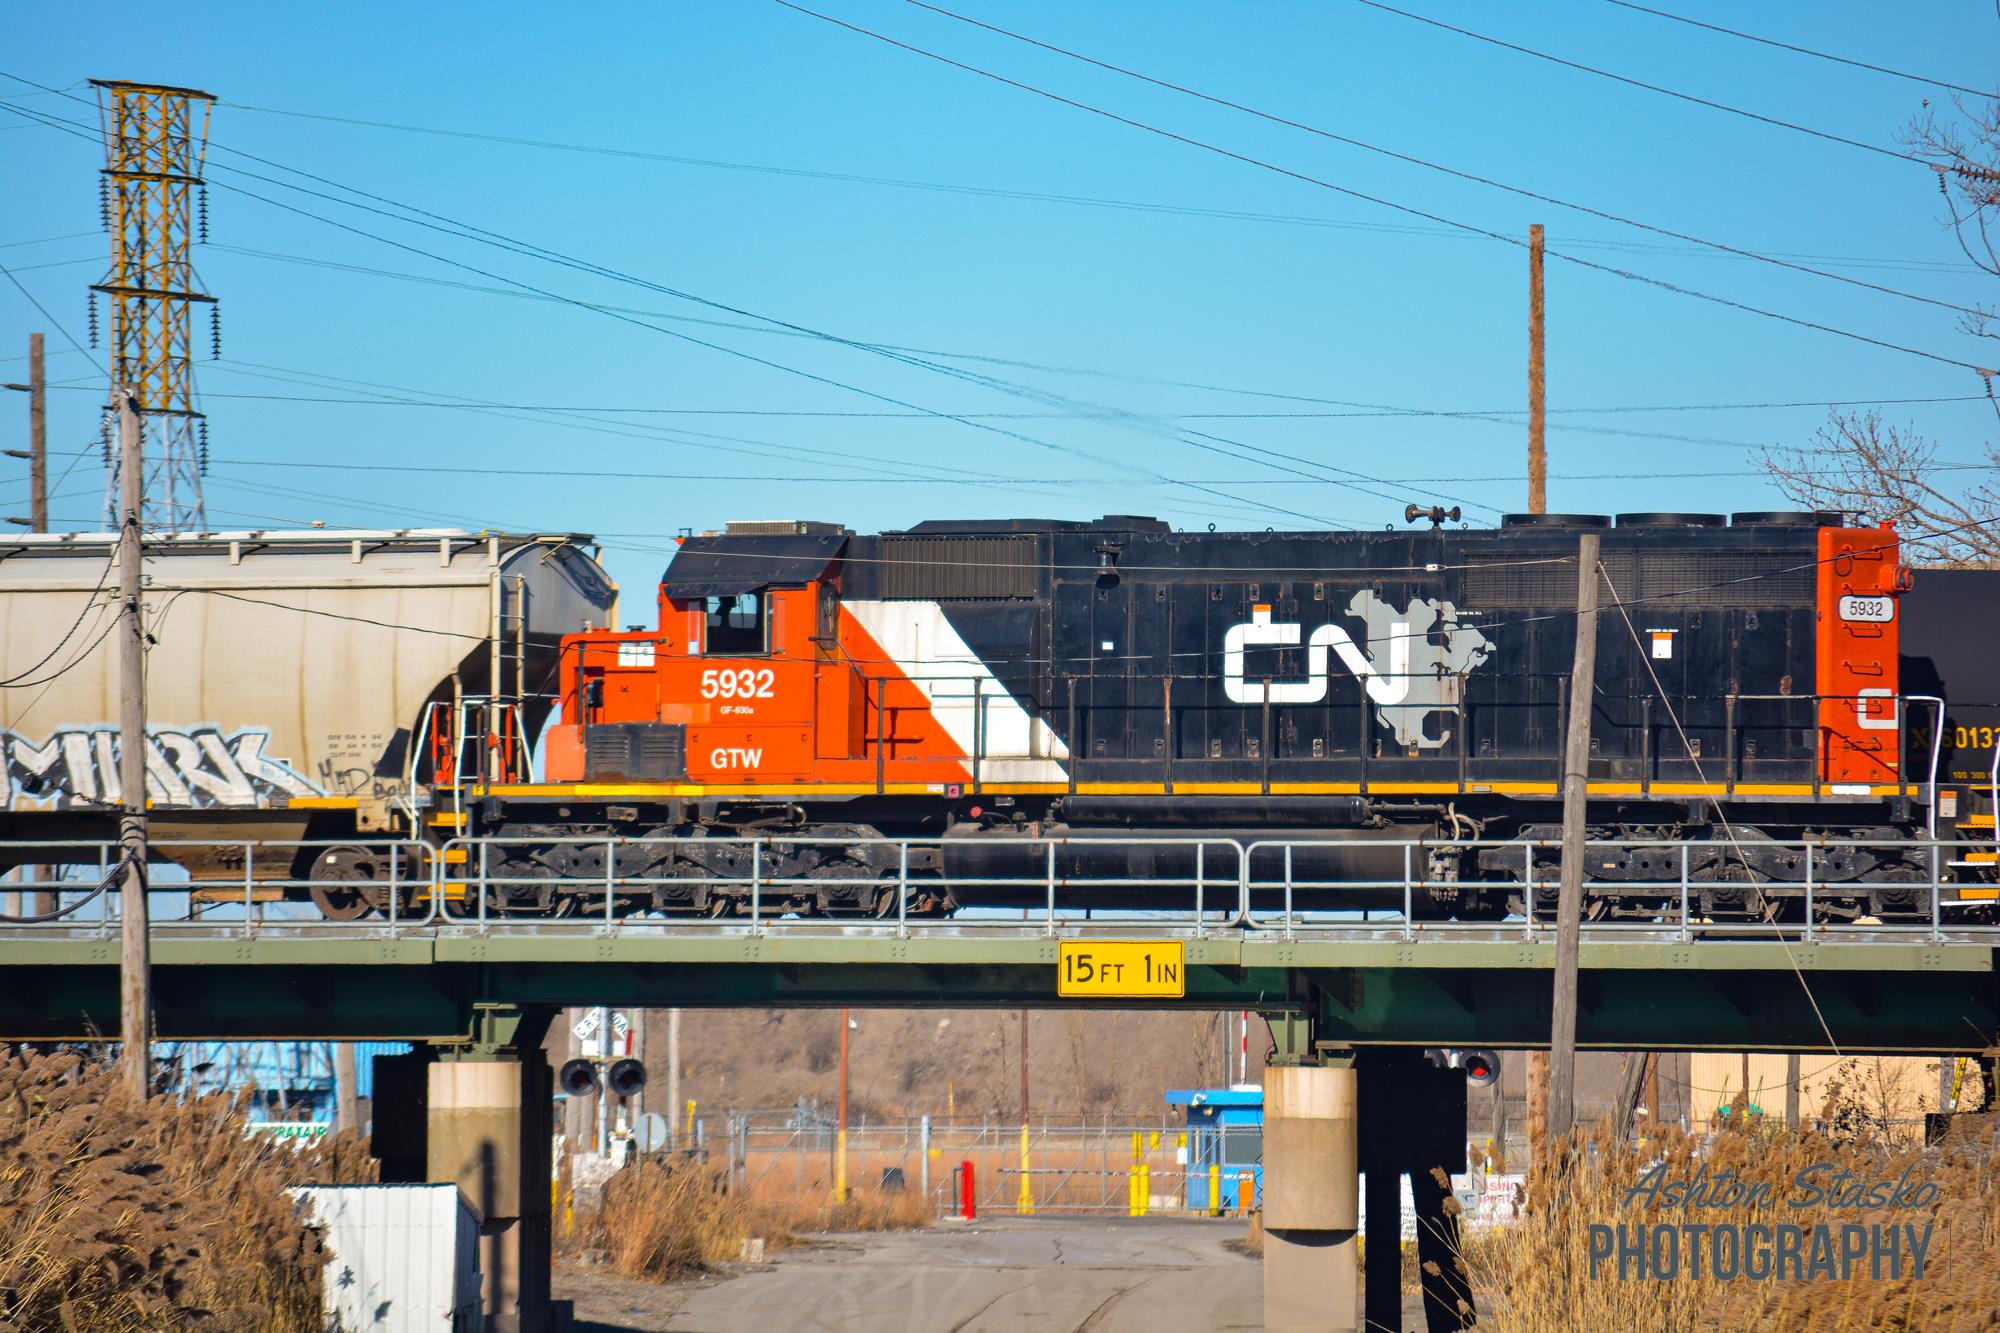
(966, 1208)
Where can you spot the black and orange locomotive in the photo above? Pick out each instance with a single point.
(1763, 681)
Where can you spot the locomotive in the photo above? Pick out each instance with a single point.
(1124, 689)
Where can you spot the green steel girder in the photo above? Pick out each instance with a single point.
(1438, 992)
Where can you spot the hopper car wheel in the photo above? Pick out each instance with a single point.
(341, 882)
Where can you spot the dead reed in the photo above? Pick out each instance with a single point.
(1538, 1275)
(118, 1215)
(659, 1222)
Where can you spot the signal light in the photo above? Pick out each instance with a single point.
(577, 1078)
(626, 1077)
(1482, 1068)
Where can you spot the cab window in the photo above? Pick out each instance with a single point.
(735, 626)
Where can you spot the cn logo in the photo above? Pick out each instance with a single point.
(1412, 666)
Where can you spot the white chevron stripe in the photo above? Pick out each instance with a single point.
(919, 638)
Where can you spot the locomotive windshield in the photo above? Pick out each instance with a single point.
(734, 625)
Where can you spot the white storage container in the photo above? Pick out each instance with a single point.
(405, 1257)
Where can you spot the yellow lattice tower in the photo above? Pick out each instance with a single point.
(154, 150)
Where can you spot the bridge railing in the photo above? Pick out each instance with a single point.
(232, 885)
(1278, 896)
(753, 884)
(1059, 885)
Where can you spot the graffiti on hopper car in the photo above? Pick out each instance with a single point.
(199, 767)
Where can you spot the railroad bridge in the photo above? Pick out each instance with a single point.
(1351, 998)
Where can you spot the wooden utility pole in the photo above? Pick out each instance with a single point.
(1538, 453)
(1792, 1092)
(673, 1076)
(135, 959)
(38, 437)
(1024, 1061)
(1569, 902)
(38, 513)
(346, 1093)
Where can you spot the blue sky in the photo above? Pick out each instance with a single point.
(1101, 320)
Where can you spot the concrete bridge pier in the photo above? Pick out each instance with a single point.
(1311, 1197)
(478, 1115)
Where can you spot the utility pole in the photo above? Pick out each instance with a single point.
(135, 957)
(38, 437)
(346, 1099)
(1538, 454)
(1024, 1065)
(37, 452)
(840, 1145)
(673, 1076)
(1569, 902)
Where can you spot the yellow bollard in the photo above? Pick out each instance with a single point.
(1024, 1203)
(840, 1167)
(1156, 1138)
(1135, 1202)
(1145, 1188)
(1215, 1189)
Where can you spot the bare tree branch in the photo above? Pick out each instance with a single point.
(1877, 472)
(1860, 466)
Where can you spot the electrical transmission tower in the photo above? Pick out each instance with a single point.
(154, 151)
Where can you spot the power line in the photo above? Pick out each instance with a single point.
(46, 240)
(1042, 196)
(468, 232)
(1663, 284)
(1802, 50)
(1827, 135)
(54, 323)
(1002, 386)
(1363, 409)
(1454, 172)
(843, 479)
(809, 414)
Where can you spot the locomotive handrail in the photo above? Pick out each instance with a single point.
(1531, 884)
(757, 882)
(463, 894)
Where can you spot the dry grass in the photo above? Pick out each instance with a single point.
(661, 1222)
(117, 1216)
(1536, 1275)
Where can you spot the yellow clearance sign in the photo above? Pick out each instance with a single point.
(1121, 969)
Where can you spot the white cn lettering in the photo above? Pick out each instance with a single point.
(1384, 687)
(732, 757)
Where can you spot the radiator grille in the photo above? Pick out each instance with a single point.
(1751, 580)
(956, 568)
(634, 752)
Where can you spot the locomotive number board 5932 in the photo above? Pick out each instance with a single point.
(1868, 610)
(1123, 969)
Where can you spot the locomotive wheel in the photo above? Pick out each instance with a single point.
(340, 903)
(341, 880)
